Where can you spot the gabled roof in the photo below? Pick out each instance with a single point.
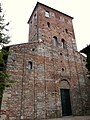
(38, 3)
(86, 50)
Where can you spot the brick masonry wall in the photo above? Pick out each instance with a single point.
(36, 92)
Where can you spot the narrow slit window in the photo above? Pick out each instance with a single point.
(30, 65)
(48, 24)
(66, 30)
(63, 43)
(55, 41)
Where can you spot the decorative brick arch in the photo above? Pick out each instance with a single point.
(65, 84)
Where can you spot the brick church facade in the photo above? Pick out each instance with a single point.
(49, 72)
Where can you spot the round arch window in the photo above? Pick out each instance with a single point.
(55, 41)
(63, 43)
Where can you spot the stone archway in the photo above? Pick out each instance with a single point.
(64, 84)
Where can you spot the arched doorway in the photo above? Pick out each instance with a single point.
(65, 98)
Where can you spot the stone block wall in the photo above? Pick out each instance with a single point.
(36, 92)
(41, 71)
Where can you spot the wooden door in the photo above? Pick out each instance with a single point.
(65, 101)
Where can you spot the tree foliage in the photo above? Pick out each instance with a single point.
(4, 39)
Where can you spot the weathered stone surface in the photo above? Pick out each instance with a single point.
(36, 95)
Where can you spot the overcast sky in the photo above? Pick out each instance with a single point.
(19, 11)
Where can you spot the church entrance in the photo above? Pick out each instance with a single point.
(65, 102)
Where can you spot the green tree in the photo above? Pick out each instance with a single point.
(4, 39)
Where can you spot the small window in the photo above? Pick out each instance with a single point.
(48, 24)
(33, 49)
(63, 43)
(30, 65)
(84, 60)
(55, 41)
(60, 53)
(47, 14)
(66, 30)
(62, 69)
